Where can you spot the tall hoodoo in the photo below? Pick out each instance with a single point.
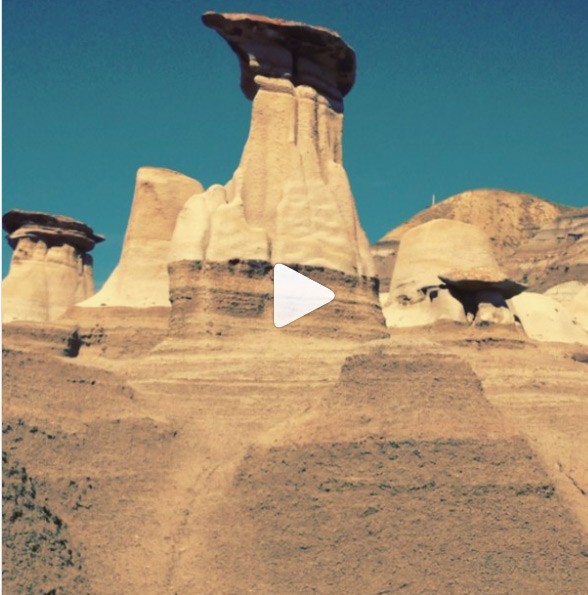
(51, 268)
(289, 200)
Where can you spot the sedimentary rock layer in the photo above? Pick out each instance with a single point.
(557, 253)
(50, 269)
(289, 201)
(220, 299)
(404, 468)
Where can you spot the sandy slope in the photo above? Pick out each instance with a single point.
(306, 466)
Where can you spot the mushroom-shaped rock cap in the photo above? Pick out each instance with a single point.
(51, 228)
(478, 279)
(304, 54)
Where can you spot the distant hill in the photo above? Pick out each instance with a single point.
(508, 218)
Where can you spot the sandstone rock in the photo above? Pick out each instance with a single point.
(50, 269)
(426, 286)
(222, 299)
(579, 307)
(507, 218)
(140, 278)
(289, 200)
(545, 319)
(564, 293)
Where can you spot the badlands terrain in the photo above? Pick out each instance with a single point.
(425, 432)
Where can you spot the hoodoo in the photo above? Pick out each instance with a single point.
(289, 200)
(446, 270)
(51, 268)
(140, 279)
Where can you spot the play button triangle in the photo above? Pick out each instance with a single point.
(296, 296)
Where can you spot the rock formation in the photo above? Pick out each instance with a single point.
(439, 460)
(507, 218)
(140, 278)
(545, 319)
(51, 268)
(565, 293)
(579, 307)
(289, 200)
(557, 252)
(446, 270)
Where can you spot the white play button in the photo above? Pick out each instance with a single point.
(296, 296)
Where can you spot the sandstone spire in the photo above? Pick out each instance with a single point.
(140, 279)
(289, 200)
(50, 269)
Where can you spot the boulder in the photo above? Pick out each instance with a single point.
(51, 268)
(545, 319)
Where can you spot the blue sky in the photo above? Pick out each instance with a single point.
(449, 96)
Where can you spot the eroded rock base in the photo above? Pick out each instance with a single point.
(225, 298)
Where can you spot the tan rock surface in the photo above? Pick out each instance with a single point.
(275, 466)
(546, 319)
(220, 299)
(565, 292)
(541, 389)
(50, 268)
(289, 200)
(579, 307)
(446, 270)
(140, 278)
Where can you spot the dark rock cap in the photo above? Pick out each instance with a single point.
(482, 279)
(51, 228)
(305, 54)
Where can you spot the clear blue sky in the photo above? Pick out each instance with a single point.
(450, 96)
